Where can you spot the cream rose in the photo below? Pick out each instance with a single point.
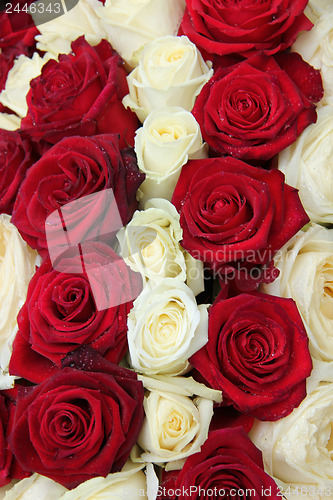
(308, 166)
(57, 35)
(150, 245)
(165, 327)
(9, 122)
(17, 265)
(168, 139)
(170, 72)
(35, 487)
(131, 483)
(299, 448)
(306, 275)
(174, 427)
(316, 47)
(18, 82)
(129, 24)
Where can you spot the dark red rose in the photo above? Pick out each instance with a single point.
(80, 423)
(9, 468)
(231, 212)
(257, 354)
(15, 158)
(74, 169)
(228, 465)
(80, 95)
(11, 37)
(244, 27)
(254, 109)
(63, 311)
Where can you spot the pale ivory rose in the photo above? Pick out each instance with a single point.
(35, 487)
(316, 47)
(298, 449)
(308, 166)
(306, 275)
(17, 265)
(170, 72)
(165, 327)
(174, 427)
(9, 122)
(150, 245)
(18, 82)
(131, 483)
(169, 137)
(316, 8)
(129, 24)
(57, 35)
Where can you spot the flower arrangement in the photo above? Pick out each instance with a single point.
(166, 249)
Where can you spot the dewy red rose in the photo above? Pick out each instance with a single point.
(233, 212)
(80, 423)
(79, 95)
(254, 109)
(257, 354)
(15, 158)
(60, 313)
(76, 167)
(228, 466)
(223, 27)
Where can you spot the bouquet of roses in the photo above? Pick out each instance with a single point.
(166, 196)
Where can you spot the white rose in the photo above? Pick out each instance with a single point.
(150, 245)
(298, 448)
(316, 47)
(174, 427)
(35, 487)
(307, 165)
(17, 265)
(129, 483)
(165, 327)
(168, 139)
(130, 24)
(18, 82)
(57, 35)
(9, 122)
(306, 275)
(171, 72)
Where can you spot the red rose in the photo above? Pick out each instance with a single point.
(231, 212)
(15, 158)
(257, 354)
(11, 37)
(80, 423)
(254, 109)
(228, 466)
(232, 27)
(61, 313)
(80, 95)
(9, 468)
(74, 168)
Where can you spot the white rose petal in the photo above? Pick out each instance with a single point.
(165, 327)
(9, 121)
(57, 35)
(35, 487)
(17, 266)
(129, 24)
(18, 82)
(168, 139)
(298, 448)
(174, 427)
(306, 275)
(171, 72)
(307, 165)
(129, 483)
(150, 245)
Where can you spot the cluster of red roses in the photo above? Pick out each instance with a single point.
(84, 416)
